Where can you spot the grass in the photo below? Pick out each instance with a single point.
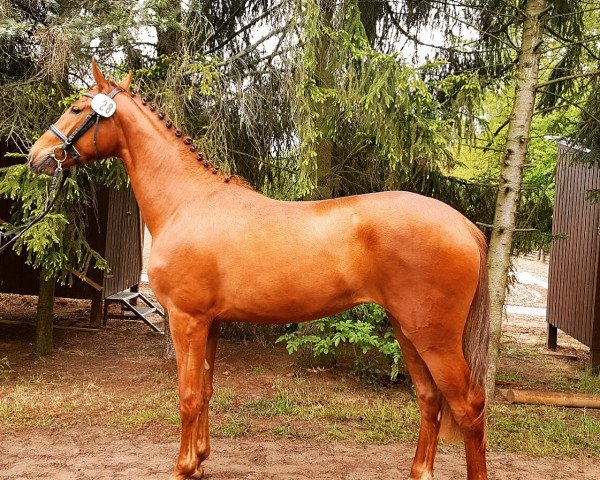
(222, 400)
(4, 368)
(589, 382)
(544, 431)
(295, 407)
(137, 419)
(232, 426)
(286, 430)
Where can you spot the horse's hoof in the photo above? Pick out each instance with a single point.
(425, 476)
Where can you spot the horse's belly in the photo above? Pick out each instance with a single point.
(296, 297)
(286, 311)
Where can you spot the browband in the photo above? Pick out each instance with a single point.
(68, 145)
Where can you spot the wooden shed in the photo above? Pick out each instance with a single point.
(114, 229)
(574, 277)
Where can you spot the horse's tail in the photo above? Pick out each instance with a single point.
(475, 338)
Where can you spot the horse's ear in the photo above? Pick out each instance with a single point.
(126, 81)
(101, 81)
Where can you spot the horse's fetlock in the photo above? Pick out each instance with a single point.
(203, 452)
(185, 469)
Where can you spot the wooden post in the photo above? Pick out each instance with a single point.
(552, 337)
(96, 311)
(45, 313)
(595, 361)
(134, 289)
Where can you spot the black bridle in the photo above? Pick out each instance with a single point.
(68, 147)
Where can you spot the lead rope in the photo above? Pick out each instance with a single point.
(11, 236)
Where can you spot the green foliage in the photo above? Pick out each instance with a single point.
(382, 108)
(364, 329)
(479, 164)
(57, 244)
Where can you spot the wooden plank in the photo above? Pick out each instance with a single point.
(559, 399)
(595, 340)
(86, 279)
(567, 356)
(5, 321)
(577, 286)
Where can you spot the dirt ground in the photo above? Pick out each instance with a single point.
(124, 361)
(97, 454)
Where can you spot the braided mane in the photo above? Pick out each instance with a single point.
(189, 142)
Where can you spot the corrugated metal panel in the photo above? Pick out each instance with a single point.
(574, 287)
(124, 242)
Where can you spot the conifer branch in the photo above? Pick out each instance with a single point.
(567, 78)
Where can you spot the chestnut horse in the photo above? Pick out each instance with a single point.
(222, 252)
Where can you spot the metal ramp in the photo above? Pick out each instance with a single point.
(134, 306)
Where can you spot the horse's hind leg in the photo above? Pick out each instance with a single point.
(429, 399)
(444, 358)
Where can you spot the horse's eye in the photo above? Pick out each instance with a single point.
(75, 110)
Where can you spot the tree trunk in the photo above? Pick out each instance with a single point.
(324, 73)
(45, 311)
(511, 175)
(96, 311)
(167, 40)
(370, 14)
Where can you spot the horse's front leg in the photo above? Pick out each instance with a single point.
(190, 335)
(203, 442)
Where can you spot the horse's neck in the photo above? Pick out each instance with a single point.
(163, 171)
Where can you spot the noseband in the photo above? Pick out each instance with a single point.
(68, 145)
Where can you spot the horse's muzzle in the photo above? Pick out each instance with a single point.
(44, 165)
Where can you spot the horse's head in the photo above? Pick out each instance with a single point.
(85, 132)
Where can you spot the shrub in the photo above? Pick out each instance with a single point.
(363, 330)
